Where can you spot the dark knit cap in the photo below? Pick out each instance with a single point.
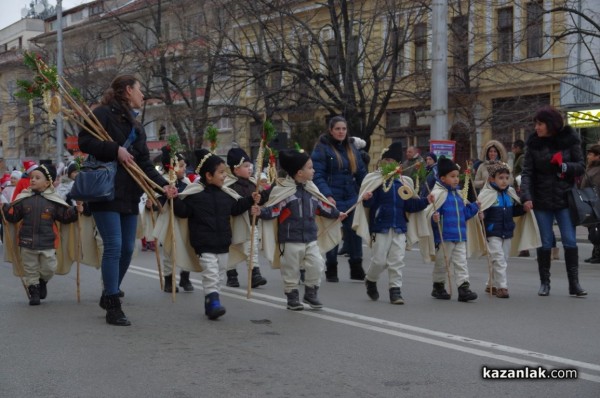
(48, 171)
(394, 151)
(206, 161)
(430, 155)
(71, 169)
(445, 166)
(292, 160)
(166, 156)
(551, 117)
(237, 156)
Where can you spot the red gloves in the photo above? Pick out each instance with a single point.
(557, 159)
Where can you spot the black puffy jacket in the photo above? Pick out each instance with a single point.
(541, 181)
(118, 125)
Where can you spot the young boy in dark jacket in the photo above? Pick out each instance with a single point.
(242, 182)
(39, 207)
(208, 208)
(295, 202)
(499, 224)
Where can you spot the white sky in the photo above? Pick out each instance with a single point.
(11, 9)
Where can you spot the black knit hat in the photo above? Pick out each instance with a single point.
(551, 117)
(206, 161)
(394, 151)
(292, 160)
(48, 171)
(71, 169)
(166, 156)
(445, 166)
(431, 155)
(236, 157)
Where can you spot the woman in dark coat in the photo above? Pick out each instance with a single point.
(117, 220)
(591, 178)
(339, 171)
(553, 160)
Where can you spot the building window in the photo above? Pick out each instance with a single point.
(11, 86)
(106, 48)
(332, 58)
(459, 31)
(224, 123)
(398, 40)
(535, 31)
(505, 34)
(420, 47)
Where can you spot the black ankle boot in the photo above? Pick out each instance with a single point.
(572, 264)
(168, 288)
(439, 291)
(396, 296)
(543, 259)
(184, 281)
(34, 294)
(43, 289)
(372, 290)
(595, 259)
(465, 294)
(232, 278)
(331, 272)
(357, 273)
(311, 298)
(114, 313)
(257, 278)
(293, 301)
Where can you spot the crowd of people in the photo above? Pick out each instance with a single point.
(325, 193)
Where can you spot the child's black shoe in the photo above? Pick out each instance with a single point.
(184, 281)
(396, 296)
(439, 292)
(34, 294)
(372, 290)
(257, 278)
(310, 297)
(43, 289)
(293, 301)
(212, 306)
(465, 293)
(232, 278)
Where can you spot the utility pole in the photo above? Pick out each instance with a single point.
(439, 70)
(59, 69)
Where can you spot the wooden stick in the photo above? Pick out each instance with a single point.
(78, 255)
(157, 254)
(259, 163)
(446, 263)
(350, 210)
(173, 248)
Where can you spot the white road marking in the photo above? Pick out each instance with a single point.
(482, 348)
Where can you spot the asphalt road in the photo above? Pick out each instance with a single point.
(353, 347)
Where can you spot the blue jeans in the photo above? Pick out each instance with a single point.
(545, 219)
(118, 236)
(351, 239)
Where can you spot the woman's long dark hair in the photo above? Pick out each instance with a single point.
(117, 92)
(348, 145)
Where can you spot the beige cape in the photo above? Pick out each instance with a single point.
(329, 235)
(526, 234)
(187, 259)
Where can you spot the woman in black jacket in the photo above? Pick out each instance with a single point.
(117, 220)
(553, 160)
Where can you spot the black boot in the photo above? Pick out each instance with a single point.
(232, 278)
(543, 259)
(465, 294)
(372, 290)
(396, 296)
(184, 281)
(595, 259)
(311, 298)
(572, 264)
(439, 291)
(293, 301)
(168, 288)
(102, 302)
(331, 272)
(357, 273)
(212, 306)
(43, 289)
(34, 294)
(114, 313)
(257, 278)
